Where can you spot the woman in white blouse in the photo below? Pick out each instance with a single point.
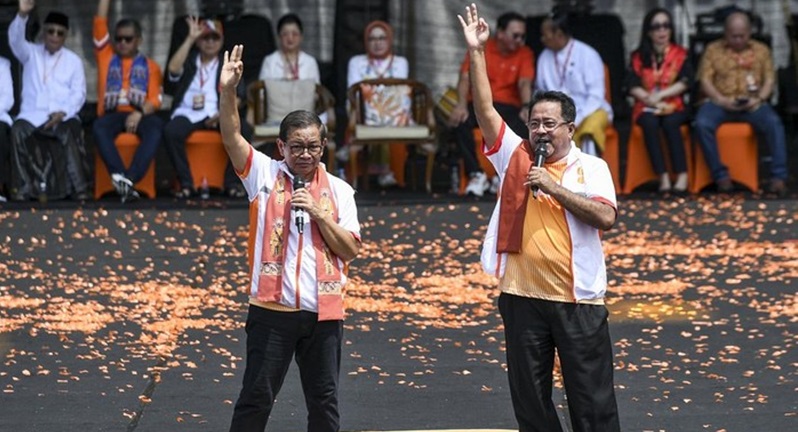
(289, 61)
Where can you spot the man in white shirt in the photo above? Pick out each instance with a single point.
(6, 102)
(53, 92)
(576, 69)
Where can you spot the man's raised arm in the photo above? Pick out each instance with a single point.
(229, 123)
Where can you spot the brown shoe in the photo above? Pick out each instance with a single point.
(777, 187)
(725, 185)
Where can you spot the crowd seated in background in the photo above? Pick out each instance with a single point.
(193, 81)
(385, 106)
(737, 77)
(660, 74)
(576, 69)
(511, 70)
(6, 102)
(48, 156)
(129, 94)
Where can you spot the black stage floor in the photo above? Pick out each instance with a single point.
(130, 318)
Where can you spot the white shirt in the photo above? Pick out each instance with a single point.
(578, 71)
(50, 82)
(275, 67)
(361, 68)
(6, 90)
(259, 182)
(204, 84)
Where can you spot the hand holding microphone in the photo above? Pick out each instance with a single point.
(299, 213)
(540, 157)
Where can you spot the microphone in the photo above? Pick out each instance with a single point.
(540, 157)
(299, 214)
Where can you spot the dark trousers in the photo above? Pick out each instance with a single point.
(65, 173)
(670, 125)
(5, 154)
(764, 120)
(109, 125)
(464, 133)
(175, 134)
(533, 329)
(273, 338)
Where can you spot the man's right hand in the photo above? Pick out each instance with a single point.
(458, 115)
(232, 69)
(25, 6)
(475, 29)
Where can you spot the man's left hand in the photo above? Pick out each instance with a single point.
(132, 121)
(54, 120)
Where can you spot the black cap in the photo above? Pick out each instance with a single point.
(57, 18)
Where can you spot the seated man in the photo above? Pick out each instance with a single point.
(192, 80)
(511, 69)
(576, 69)
(737, 77)
(6, 102)
(48, 158)
(128, 94)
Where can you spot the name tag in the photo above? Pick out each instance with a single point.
(198, 101)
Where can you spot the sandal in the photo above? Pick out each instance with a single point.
(184, 193)
(236, 192)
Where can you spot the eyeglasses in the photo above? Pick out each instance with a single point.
(56, 32)
(125, 39)
(548, 125)
(298, 150)
(378, 38)
(660, 26)
(518, 36)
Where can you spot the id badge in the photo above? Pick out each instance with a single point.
(198, 102)
(123, 100)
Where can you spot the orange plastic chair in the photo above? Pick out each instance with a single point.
(126, 144)
(737, 147)
(612, 152)
(638, 162)
(207, 158)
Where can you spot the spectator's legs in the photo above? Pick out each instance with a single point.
(671, 127)
(175, 133)
(650, 125)
(21, 184)
(707, 121)
(105, 129)
(150, 131)
(78, 169)
(767, 124)
(5, 154)
(464, 135)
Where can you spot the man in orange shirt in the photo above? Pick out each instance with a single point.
(511, 71)
(128, 95)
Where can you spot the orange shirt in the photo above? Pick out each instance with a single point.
(104, 53)
(543, 268)
(505, 70)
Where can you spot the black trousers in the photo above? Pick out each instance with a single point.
(670, 125)
(5, 154)
(464, 133)
(580, 333)
(273, 339)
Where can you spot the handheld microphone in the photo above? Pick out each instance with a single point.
(540, 157)
(299, 214)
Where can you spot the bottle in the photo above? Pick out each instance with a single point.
(43, 192)
(455, 178)
(205, 191)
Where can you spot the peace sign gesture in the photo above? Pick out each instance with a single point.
(232, 69)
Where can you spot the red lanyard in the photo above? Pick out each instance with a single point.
(562, 72)
(52, 68)
(292, 69)
(205, 71)
(380, 74)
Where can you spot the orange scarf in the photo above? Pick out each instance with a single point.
(276, 227)
(512, 209)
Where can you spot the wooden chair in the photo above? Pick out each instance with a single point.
(638, 161)
(126, 144)
(266, 130)
(737, 146)
(421, 133)
(207, 158)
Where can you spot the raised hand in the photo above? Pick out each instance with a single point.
(194, 27)
(25, 6)
(475, 29)
(233, 68)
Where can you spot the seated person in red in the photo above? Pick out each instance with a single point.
(128, 94)
(511, 70)
(192, 80)
(659, 77)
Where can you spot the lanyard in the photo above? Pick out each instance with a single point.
(373, 67)
(291, 68)
(562, 72)
(52, 68)
(205, 71)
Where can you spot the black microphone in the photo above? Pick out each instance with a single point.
(540, 157)
(299, 213)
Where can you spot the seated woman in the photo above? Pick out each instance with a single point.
(659, 77)
(379, 61)
(289, 62)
